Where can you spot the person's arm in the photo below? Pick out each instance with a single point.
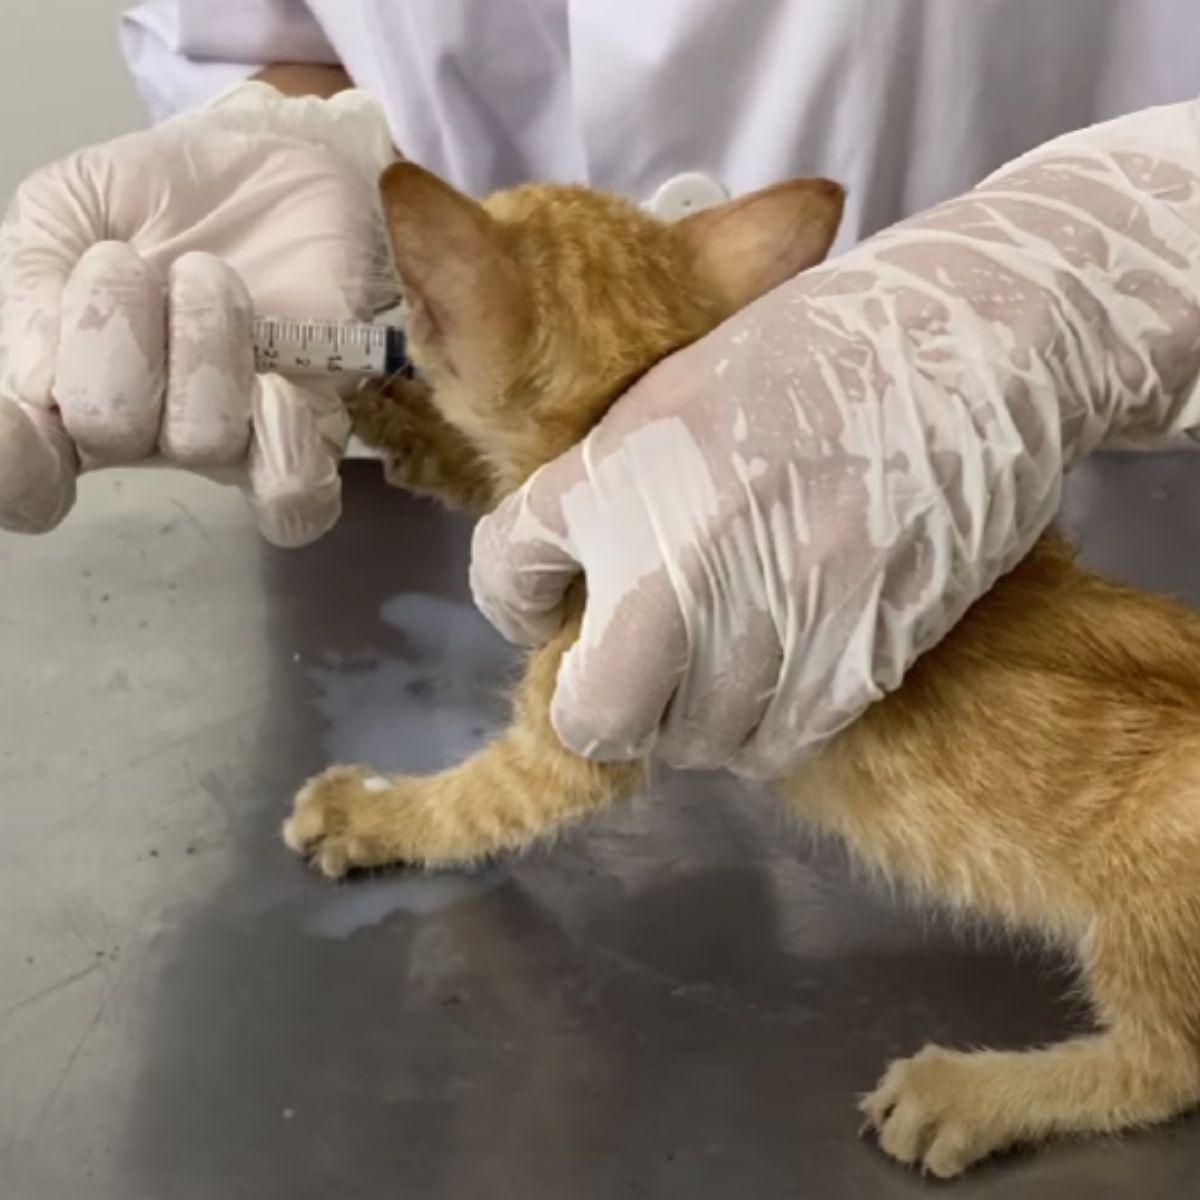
(182, 53)
(306, 79)
(777, 521)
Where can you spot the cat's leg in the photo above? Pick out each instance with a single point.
(522, 787)
(423, 451)
(943, 1109)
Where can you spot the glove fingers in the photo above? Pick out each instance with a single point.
(522, 561)
(210, 381)
(617, 681)
(110, 367)
(37, 469)
(294, 481)
(729, 683)
(29, 327)
(45, 231)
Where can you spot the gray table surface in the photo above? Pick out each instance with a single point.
(680, 1001)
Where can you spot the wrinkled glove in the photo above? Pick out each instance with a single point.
(776, 522)
(129, 276)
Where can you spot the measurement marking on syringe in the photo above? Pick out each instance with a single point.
(292, 346)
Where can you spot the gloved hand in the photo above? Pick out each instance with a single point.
(129, 275)
(774, 523)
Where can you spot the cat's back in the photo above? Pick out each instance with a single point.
(1055, 675)
(1052, 619)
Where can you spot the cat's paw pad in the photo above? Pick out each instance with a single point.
(338, 820)
(931, 1111)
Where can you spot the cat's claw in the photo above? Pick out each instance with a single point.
(338, 822)
(932, 1111)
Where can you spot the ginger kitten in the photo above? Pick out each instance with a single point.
(1040, 767)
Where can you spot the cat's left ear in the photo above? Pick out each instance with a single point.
(753, 244)
(466, 296)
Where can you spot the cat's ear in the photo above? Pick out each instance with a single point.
(753, 244)
(466, 299)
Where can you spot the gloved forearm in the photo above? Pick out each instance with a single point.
(1072, 275)
(777, 521)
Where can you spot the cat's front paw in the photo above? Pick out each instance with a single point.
(935, 1111)
(347, 818)
(394, 418)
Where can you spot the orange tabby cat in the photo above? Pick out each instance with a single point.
(1040, 767)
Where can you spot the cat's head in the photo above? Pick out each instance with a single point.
(531, 312)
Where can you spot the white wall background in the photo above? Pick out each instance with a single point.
(62, 82)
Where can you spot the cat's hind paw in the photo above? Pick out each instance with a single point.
(347, 818)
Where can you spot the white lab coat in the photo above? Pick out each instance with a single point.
(673, 102)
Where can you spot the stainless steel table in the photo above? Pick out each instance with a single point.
(680, 1001)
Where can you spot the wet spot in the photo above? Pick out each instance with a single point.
(341, 915)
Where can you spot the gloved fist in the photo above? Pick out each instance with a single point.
(129, 276)
(777, 521)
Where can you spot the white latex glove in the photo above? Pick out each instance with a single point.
(129, 275)
(777, 521)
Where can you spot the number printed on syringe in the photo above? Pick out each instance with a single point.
(294, 347)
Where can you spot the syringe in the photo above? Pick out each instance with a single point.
(294, 347)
